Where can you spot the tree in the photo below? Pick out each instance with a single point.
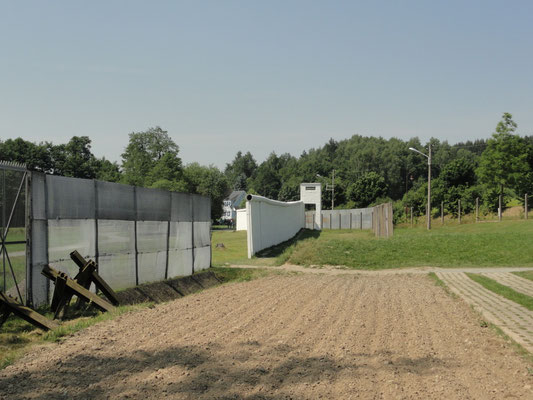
(107, 171)
(504, 163)
(208, 181)
(240, 170)
(141, 161)
(74, 159)
(367, 189)
(35, 156)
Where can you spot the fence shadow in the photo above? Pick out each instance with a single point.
(277, 250)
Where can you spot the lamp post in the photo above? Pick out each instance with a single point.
(428, 156)
(331, 188)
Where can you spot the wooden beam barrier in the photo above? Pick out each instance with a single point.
(10, 305)
(72, 288)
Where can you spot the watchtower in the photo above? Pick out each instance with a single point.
(311, 193)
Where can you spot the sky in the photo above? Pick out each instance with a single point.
(262, 76)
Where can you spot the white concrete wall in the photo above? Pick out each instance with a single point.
(271, 222)
(242, 220)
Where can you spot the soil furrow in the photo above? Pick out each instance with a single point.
(300, 337)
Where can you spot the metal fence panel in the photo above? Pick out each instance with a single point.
(152, 204)
(180, 262)
(202, 234)
(201, 208)
(181, 209)
(152, 249)
(118, 270)
(115, 201)
(69, 198)
(116, 252)
(202, 258)
(135, 234)
(180, 235)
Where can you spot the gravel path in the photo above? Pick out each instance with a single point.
(304, 336)
(515, 320)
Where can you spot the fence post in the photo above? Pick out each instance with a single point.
(500, 207)
(340, 220)
(361, 220)
(350, 220)
(135, 234)
(28, 225)
(411, 217)
(459, 210)
(442, 212)
(525, 206)
(477, 209)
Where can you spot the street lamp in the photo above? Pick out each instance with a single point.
(331, 188)
(428, 210)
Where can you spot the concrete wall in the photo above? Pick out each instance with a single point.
(271, 222)
(358, 218)
(242, 220)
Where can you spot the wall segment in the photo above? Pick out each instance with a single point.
(271, 222)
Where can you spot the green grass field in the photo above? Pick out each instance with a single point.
(489, 244)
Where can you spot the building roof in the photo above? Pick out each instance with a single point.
(236, 195)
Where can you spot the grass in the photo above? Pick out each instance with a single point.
(470, 245)
(502, 290)
(235, 249)
(15, 235)
(440, 283)
(474, 245)
(19, 268)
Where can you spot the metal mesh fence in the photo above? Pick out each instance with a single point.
(12, 231)
(136, 235)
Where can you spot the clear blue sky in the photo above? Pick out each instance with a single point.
(284, 76)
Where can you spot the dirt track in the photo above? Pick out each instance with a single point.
(294, 336)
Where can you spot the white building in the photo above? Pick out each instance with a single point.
(229, 208)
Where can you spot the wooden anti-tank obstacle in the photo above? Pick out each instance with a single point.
(88, 275)
(66, 287)
(10, 305)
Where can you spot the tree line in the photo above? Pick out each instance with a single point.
(368, 170)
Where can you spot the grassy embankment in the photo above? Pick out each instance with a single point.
(507, 243)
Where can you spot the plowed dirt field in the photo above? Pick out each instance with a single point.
(289, 336)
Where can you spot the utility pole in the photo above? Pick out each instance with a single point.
(429, 188)
(333, 190)
(428, 207)
(330, 188)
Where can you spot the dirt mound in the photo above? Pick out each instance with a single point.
(170, 289)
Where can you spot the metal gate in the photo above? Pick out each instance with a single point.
(13, 221)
